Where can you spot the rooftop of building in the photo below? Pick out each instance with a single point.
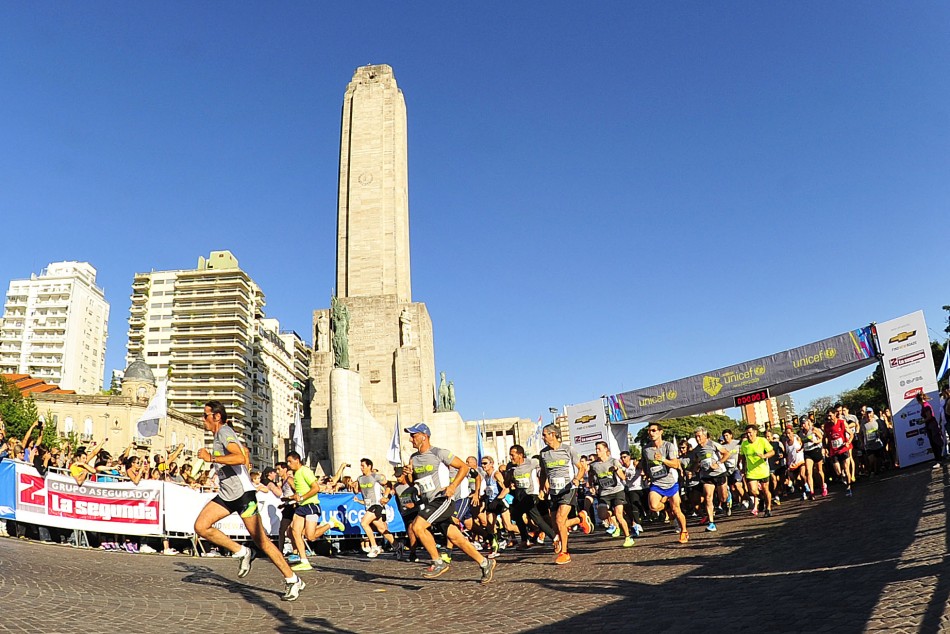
(29, 385)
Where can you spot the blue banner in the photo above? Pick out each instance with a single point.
(7, 490)
(344, 507)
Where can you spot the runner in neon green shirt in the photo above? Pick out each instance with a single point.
(755, 452)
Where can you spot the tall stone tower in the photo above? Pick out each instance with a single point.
(391, 352)
(372, 256)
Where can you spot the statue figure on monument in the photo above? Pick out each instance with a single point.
(340, 325)
(323, 333)
(451, 396)
(443, 394)
(405, 327)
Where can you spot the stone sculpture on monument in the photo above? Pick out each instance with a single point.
(340, 323)
(322, 340)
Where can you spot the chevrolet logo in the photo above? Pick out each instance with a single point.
(902, 336)
(585, 419)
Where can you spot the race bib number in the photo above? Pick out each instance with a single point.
(706, 464)
(523, 481)
(837, 443)
(558, 484)
(426, 484)
(657, 471)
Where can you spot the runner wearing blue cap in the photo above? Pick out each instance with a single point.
(429, 471)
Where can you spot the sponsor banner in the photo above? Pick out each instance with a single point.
(7, 490)
(587, 423)
(780, 373)
(908, 366)
(346, 508)
(108, 507)
(183, 504)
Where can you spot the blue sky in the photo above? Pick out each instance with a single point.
(600, 199)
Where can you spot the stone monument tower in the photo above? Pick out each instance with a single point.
(390, 344)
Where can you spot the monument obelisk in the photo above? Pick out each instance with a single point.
(390, 345)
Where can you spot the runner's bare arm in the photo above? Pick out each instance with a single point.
(463, 470)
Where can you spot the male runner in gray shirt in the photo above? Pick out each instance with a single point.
(608, 475)
(562, 470)
(371, 489)
(429, 472)
(237, 495)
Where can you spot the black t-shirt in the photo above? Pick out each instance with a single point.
(38, 464)
(778, 460)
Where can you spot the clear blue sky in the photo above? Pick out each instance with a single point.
(600, 199)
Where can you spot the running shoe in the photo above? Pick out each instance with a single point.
(337, 524)
(244, 563)
(804, 495)
(776, 501)
(562, 558)
(374, 552)
(524, 545)
(145, 548)
(704, 521)
(293, 590)
(436, 569)
(540, 538)
(611, 530)
(637, 530)
(628, 542)
(488, 570)
(848, 492)
(169, 551)
(446, 557)
(729, 510)
(684, 537)
(617, 532)
(585, 522)
(293, 558)
(755, 511)
(556, 542)
(768, 512)
(824, 490)
(745, 504)
(711, 527)
(303, 566)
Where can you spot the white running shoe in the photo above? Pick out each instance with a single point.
(293, 590)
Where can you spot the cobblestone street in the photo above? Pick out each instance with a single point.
(876, 561)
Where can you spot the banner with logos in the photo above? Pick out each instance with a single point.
(183, 504)
(587, 423)
(781, 373)
(107, 507)
(7, 490)
(907, 360)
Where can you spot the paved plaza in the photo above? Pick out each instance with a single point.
(874, 562)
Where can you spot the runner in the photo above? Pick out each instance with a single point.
(371, 491)
(777, 466)
(794, 460)
(429, 470)
(306, 523)
(633, 485)
(730, 443)
(237, 495)
(838, 441)
(562, 470)
(812, 440)
(607, 475)
(493, 503)
(710, 460)
(872, 431)
(407, 499)
(662, 463)
(525, 484)
(755, 453)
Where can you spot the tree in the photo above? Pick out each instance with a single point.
(821, 404)
(18, 413)
(49, 438)
(684, 426)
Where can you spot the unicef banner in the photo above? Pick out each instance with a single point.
(908, 371)
(345, 508)
(782, 373)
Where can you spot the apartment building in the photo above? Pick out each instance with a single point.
(206, 330)
(55, 327)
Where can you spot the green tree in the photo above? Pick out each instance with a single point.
(17, 412)
(49, 437)
(683, 427)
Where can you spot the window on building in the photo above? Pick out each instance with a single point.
(68, 424)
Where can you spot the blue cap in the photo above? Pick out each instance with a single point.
(421, 428)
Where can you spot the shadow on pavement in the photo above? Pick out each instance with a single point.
(824, 568)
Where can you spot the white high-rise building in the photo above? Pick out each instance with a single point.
(55, 327)
(207, 327)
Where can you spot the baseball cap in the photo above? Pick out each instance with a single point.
(868, 409)
(420, 428)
